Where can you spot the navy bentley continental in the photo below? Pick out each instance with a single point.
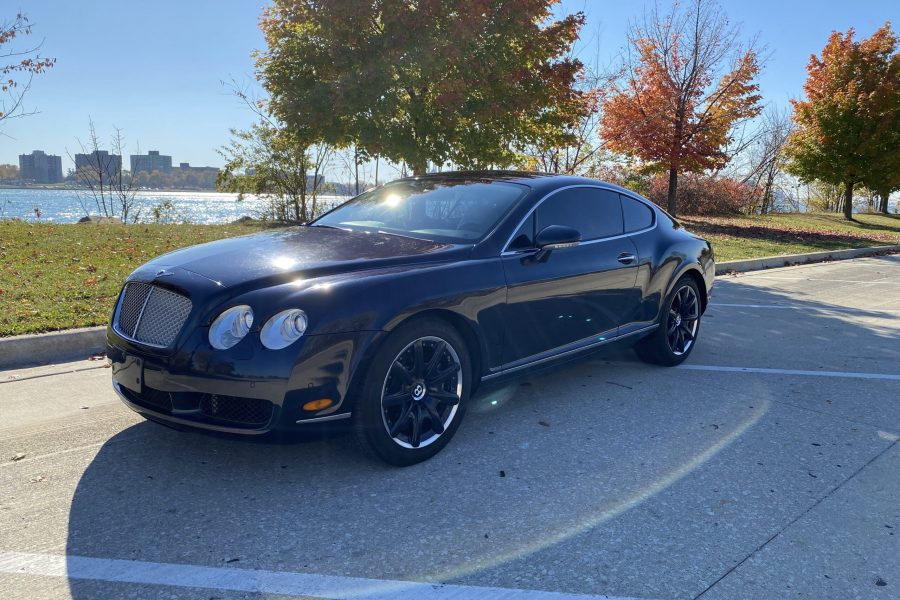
(391, 309)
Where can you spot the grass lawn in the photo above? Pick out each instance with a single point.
(735, 238)
(63, 276)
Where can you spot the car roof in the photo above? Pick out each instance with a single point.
(541, 182)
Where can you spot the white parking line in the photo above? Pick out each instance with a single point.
(845, 374)
(848, 309)
(51, 454)
(267, 582)
(818, 279)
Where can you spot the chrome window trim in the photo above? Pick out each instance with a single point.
(507, 252)
(538, 361)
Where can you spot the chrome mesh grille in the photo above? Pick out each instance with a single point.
(130, 308)
(152, 315)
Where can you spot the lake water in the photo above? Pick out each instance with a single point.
(67, 206)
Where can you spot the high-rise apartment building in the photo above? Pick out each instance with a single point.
(40, 167)
(99, 161)
(152, 161)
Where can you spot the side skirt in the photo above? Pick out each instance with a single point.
(584, 345)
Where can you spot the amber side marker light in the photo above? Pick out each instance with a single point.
(314, 405)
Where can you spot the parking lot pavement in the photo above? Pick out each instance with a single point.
(765, 467)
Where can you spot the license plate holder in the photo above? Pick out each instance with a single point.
(129, 372)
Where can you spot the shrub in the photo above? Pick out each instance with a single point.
(702, 194)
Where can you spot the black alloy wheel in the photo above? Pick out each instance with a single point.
(683, 320)
(421, 392)
(413, 396)
(679, 325)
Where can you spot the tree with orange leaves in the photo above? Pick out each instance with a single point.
(848, 127)
(689, 82)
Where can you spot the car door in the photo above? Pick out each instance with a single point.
(579, 295)
(640, 227)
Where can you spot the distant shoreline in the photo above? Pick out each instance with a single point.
(69, 188)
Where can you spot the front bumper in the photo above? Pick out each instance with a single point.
(246, 390)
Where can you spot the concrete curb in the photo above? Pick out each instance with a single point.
(787, 260)
(74, 344)
(55, 347)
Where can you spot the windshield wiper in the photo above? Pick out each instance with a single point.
(330, 227)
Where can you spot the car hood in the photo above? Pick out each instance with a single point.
(305, 252)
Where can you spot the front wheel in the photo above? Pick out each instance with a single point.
(679, 326)
(413, 396)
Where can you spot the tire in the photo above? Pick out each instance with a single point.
(414, 393)
(679, 326)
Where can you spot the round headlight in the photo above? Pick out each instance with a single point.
(283, 329)
(230, 327)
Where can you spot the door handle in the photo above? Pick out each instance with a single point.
(626, 258)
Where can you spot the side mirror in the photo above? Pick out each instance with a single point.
(553, 237)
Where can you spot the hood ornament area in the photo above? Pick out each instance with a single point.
(164, 272)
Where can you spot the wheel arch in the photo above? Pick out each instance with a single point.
(694, 272)
(468, 330)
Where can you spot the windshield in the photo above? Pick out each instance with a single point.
(452, 211)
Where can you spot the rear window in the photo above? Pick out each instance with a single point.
(637, 215)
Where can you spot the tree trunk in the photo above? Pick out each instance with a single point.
(671, 204)
(848, 201)
(356, 167)
(883, 208)
(419, 167)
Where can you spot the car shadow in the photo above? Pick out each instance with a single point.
(587, 446)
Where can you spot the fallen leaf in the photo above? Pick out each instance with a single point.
(543, 423)
(17, 456)
(37, 479)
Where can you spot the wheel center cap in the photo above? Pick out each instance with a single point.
(418, 391)
(677, 320)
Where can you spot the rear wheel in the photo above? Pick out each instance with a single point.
(413, 396)
(672, 342)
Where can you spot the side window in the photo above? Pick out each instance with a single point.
(594, 212)
(524, 237)
(637, 214)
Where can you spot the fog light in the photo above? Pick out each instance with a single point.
(314, 405)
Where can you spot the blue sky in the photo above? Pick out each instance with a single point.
(154, 68)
